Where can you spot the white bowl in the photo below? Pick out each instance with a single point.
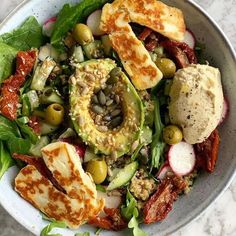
(208, 186)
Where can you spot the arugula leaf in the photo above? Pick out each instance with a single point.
(7, 56)
(83, 234)
(69, 16)
(5, 159)
(133, 224)
(28, 35)
(157, 145)
(131, 207)
(55, 224)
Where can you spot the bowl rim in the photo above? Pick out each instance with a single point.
(219, 193)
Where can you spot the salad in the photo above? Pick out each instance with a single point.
(110, 111)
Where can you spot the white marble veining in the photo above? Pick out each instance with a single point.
(219, 219)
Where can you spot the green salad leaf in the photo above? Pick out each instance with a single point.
(134, 224)
(27, 132)
(7, 56)
(9, 132)
(157, 145)
(83, 234)
(5, 159)
(131, 213)
(69, 16)
(28, 35)
(131, 207)
(55, 224)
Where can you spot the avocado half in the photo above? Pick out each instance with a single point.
(90, 76)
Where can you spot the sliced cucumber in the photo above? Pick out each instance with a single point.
(123, 176)
(146, 135)
(106, 42)
(35, 150)
(94, 50)
(78, 55)
(89, 155)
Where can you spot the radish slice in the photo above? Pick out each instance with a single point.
(93, 22)
(163, 171)
(182, 158)
(189, 39)
(225, 111)
(48, 26)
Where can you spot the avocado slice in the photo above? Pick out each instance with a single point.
(90, 76)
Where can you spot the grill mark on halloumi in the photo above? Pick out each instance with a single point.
(79, 204)
(135, 58)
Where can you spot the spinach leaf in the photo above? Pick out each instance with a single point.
(18, 145)
(157, 145)
(55, 224)
(5, 159)
(28, 35)
(9, 132)
(69, 16)
(8, 126)
(7, 56)
(28, 132)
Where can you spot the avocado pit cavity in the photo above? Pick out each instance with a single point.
(106, 108)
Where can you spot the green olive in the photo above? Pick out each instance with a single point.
(172, 134)
(82, 34)
(98, 170)
(54, 114)
(166, 66)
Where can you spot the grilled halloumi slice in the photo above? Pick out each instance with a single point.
(79, 204)
(135, 58)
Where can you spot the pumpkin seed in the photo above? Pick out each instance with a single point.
(97, 109)
(107, 90)
(115, 122)
(95, 99)
(109, 102)
(102, 98)
(116, 72)
(115, 112)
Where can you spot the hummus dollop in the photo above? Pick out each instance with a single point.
(196, 101)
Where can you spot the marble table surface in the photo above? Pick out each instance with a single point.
(219, 219)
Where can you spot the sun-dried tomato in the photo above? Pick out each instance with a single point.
(34, 124)
(112, 221)
(146, 33)
(39, 164)
(170, 47)
(207, 152)
(161, 202)
(25, 62)
(9, 92)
